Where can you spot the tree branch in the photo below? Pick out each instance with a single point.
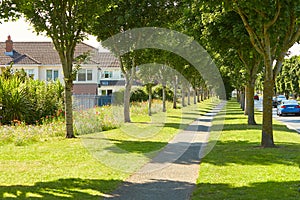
(253, 37)
(270, 23)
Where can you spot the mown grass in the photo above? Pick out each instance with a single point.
(64, 169)
(238, 168)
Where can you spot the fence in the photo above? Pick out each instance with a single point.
(82, 102)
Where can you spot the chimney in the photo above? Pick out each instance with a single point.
(9, 44)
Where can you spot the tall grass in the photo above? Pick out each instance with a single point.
(22, 134)
(27, 100)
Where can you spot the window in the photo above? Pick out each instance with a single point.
(51, 75)
(85, 75)
(106, 92)
(29, 72)
(104, 82)
(103, 92)
(109, 92)
(107, 74)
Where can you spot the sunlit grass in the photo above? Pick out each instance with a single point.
(238, 168)
(63, 169)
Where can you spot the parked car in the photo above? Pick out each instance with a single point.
(279, 98)
(256, 97)
(288, 107)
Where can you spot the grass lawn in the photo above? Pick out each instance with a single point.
(64, 169)
(237, 168)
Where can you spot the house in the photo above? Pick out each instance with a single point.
(99, 75)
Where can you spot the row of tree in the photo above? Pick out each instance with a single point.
(244, 38)
(248, 38)
(288, 80)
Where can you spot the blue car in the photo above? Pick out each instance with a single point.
(288, 107)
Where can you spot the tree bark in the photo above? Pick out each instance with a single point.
(164, 109)
(183, 97)
(149, 99)
(267, 128)
(69, 109)
(246, 101)
(195, 96)
(250, 103)
(189, 96)
(238, 96)
(175, 92)
(242, 101)
(127, 91)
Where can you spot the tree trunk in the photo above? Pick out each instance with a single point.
(149, 98)
(242, 101)
(195, 96)
(164, 109)
(183, 97)
(267, 127)
(202, 94)
(189, 96)
(250, 102)
(69, 108)
(238, 96)
(245, 104)
(127, 100)
(175, 92)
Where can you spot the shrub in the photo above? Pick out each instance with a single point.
(157, 93)
(139, 94)
(27, 100)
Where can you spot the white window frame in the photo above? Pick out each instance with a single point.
(54, 76)
(88, 75)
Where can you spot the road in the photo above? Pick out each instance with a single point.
(292, 122)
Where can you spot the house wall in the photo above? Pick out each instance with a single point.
(34, 69)
(85, 89)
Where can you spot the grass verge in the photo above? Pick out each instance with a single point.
(63, 169)
(237, 168)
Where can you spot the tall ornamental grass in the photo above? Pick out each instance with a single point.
(29, 101)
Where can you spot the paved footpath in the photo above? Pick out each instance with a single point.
(172, 174)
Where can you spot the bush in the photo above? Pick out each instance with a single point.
(139, 95)
(157, 93)
(27, 100)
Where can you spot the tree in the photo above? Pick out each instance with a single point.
(65, 22)
(148, 74)
(124, 15)
(273, 28)
(236, 52)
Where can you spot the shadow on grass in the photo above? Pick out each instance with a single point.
(244, 127)
(136, 146)
(287, 190)
(72, 188)
(247, 153)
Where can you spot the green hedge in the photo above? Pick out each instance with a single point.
(140, 94)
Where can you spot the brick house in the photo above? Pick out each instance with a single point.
(100, 75)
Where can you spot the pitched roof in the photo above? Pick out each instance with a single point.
(44, 53)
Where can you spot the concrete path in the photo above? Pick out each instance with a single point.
(172, 174)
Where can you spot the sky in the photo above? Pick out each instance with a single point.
(21, 31)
